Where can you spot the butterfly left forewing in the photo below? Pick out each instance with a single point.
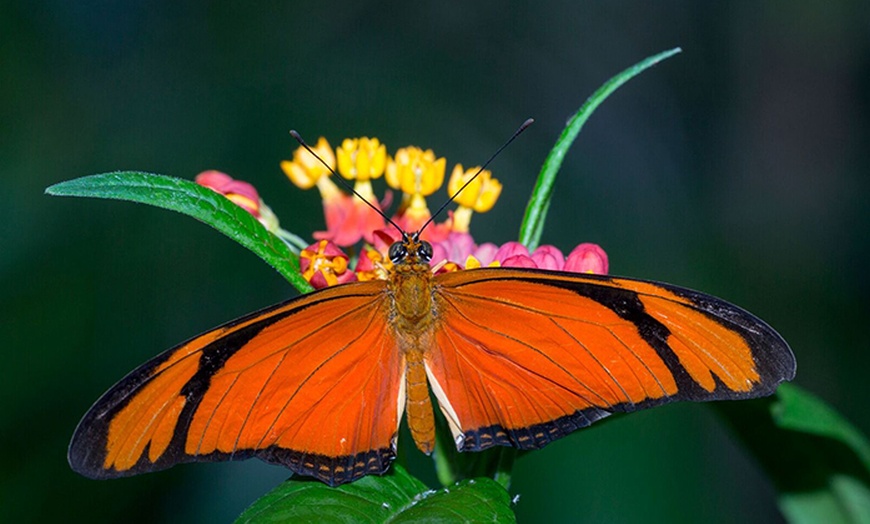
(281, 384)
(523, 357)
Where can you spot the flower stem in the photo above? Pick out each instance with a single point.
(539, 203)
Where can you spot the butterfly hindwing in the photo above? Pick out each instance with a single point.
(280, 384)
(523, 357)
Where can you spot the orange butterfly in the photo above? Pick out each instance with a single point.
(515, 357)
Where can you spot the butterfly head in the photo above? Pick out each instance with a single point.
(410, 250)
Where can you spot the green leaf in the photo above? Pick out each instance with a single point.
(799, 410)
(395, 497)
(818, 461)
(536, 211)
(193, 200)
(452, 466)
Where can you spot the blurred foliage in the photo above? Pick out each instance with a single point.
(396, 497)
(739, 169)
(819, 462)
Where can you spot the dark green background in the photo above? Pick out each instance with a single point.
(739, 167)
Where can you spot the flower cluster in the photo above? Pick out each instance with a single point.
(351, 221)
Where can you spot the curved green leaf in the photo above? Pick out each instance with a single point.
(818, 461)
(452, 466)
(799, 410)
(539, 203)
(396, 497)
(196, 201)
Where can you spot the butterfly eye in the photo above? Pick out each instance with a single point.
(425, 251)
(397, 252)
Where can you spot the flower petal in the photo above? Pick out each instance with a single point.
(323, 264)
(549, 257)
(485, 253)
(519, 260)
(239, 192)
(587, 258)
(510, 249)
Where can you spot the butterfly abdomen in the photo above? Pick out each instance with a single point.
(421, 420)
(411, 293)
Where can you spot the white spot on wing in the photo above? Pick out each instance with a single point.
(446, 408)
(402, 397)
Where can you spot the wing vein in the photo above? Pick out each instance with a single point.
(529, 346)
(313, 373)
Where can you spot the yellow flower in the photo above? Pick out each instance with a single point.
(372, 265)
(417, 174)
(305, 170)
(361, 159)
(473, 263)
(479, 195)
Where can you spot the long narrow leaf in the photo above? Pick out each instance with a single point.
(196, 201)
(539, 203)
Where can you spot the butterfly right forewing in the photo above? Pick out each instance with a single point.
(523, 357)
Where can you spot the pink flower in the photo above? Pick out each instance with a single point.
(341, 228)
(548, 257)
(348, 219)
(510, 249)
(367, 219)
(240, 193)
(519, 260)
(323, 264)
(485, 253)
(434, 232)
(514, 254)
(587, 258)
(439, 254)
(455, 248)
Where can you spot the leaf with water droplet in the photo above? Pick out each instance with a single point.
(395, 497)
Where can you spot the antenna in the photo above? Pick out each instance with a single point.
(519, 130)
(341, 179)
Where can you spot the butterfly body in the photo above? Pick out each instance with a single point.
(414, 315)
(514, 357)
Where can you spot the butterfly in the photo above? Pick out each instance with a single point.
(514, 357)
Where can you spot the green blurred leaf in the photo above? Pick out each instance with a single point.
(196, 201)
(799, 410)
(452, 466)
(818, 461)
(395, 497)
(536, 211)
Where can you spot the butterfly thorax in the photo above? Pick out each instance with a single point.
(411, 284)
(411, 290)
